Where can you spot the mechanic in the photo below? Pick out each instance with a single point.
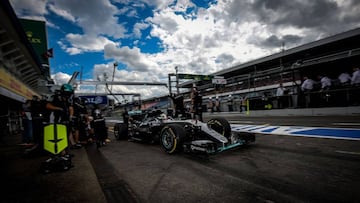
(355, 82)
(98, 127)
(61, 106)
(126, 116)
(280, 95)
(80, 121)
(27, 123)
(307, 86)
(196, 104)
(325, 82)
(64, 100)
(40, 115)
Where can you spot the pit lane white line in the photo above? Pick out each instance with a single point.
(239, 122)
(347, 152)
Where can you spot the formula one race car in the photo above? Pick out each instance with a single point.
(186, 135)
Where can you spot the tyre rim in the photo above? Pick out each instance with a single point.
(167, 139)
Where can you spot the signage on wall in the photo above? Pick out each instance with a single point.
(95, 99)
(36, 33)
(12, 84)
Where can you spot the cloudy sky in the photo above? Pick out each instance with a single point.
(148, 38)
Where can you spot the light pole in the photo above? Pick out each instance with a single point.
(105, 79)
(177, 80)
(96, 86)
(115, 65)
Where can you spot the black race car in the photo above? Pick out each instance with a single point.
(186, 135)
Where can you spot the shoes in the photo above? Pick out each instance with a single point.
(98, 144)
(26, 144)
(90, 140)
(76, 146)
(107, 140)
(69, 156)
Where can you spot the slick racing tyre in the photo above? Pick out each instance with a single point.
(220, 125)
(120, 131)
(171, 138)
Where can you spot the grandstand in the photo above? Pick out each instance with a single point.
(257, 80)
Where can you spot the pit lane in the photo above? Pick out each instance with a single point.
(276, 168)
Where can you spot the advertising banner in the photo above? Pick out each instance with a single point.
(195, 77)
(37, 36)
(12, 84)
(95, 99)
(219, 81)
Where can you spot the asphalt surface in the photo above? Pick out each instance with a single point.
(23, 181)
(113, 186)
(275, 168)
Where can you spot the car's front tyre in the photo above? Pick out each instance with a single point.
(171, 138)
(120, 131)
(220, 125)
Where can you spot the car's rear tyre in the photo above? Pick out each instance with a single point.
(171, 138)
(220, 125)
(120, 131)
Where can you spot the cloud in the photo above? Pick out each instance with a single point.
(199, 40)
(63, 13)
(274, 41)
(29, 7)
(182, 5)
(132, 57)
(299, 13)
(60, 78)
(98, 21)
(158, 4)
(138, 27)
(103, 71)
(196, 43)
(93, 16)
(225, 58)
(242, 30)
(325, 16)
(52, 25)
(77, 43)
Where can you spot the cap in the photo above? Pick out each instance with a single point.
(66, 89)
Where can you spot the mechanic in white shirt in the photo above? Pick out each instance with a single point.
(307, 85)
(280, 90)
(355, 79)
(280, 95)
(344, 78)
(325, 82)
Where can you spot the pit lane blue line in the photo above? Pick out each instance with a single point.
(319, 132)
